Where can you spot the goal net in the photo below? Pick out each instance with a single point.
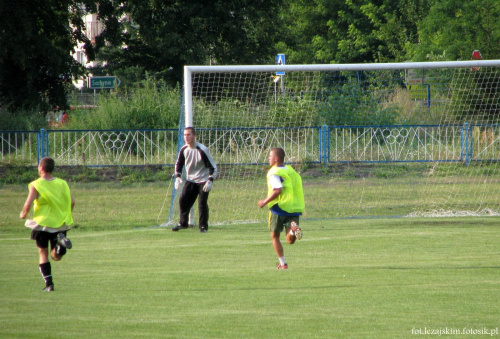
(370, 140)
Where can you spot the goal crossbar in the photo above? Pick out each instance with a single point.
(189, 70)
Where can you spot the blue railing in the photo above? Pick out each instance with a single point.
(410, 143)
(249, 146)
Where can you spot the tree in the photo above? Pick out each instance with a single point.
(161, 36)
(455, 28)
(306, 37)
(347, 31)
(393, 27)
(37, 39)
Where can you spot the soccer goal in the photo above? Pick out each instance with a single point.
(370, 140)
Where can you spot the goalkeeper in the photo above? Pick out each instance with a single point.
(201, 171)
(285, 200)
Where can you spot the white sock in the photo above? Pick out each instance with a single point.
(282, 260)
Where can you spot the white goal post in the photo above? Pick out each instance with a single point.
(370, 140)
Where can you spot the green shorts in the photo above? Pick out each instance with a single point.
(277, 223)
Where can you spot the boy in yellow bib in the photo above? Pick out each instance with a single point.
(52, 216)
(285, 200)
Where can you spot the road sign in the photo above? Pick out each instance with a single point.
(103, 82)
(415, 76)
(280, 60)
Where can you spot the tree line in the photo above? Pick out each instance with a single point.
(157, 38)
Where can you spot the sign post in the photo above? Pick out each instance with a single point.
(280, 60)
(104, 82)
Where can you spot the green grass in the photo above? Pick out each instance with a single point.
(362, 278)
(339, 191)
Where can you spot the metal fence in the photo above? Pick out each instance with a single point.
(20, 147)
(243, 146)
(437, 143)
(113, 147)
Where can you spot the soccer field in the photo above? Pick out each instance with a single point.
(357, 278)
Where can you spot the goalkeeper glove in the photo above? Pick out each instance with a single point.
(178, 182)
(208, 185)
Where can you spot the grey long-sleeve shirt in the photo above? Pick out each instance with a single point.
(198, 163)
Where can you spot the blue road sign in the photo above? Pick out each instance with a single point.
(280, 60)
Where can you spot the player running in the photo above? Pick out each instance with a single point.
(285, 200)
(52, 215)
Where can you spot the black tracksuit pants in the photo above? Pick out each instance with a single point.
(190, 193)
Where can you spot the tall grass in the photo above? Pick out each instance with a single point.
(151, 105)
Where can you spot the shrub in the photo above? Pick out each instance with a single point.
(151, 105)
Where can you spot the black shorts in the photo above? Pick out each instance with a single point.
(43, 238)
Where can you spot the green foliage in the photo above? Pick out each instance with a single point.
(151, 105)
(338, 31)
(80, 174)
(307, 36)
(17, 174)
(21, 120)
(36, 62)
(349, 104)
(457, 28)
(37, 67)
(478, 106)
(334, 31)
(162, 37)
(288, 112)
